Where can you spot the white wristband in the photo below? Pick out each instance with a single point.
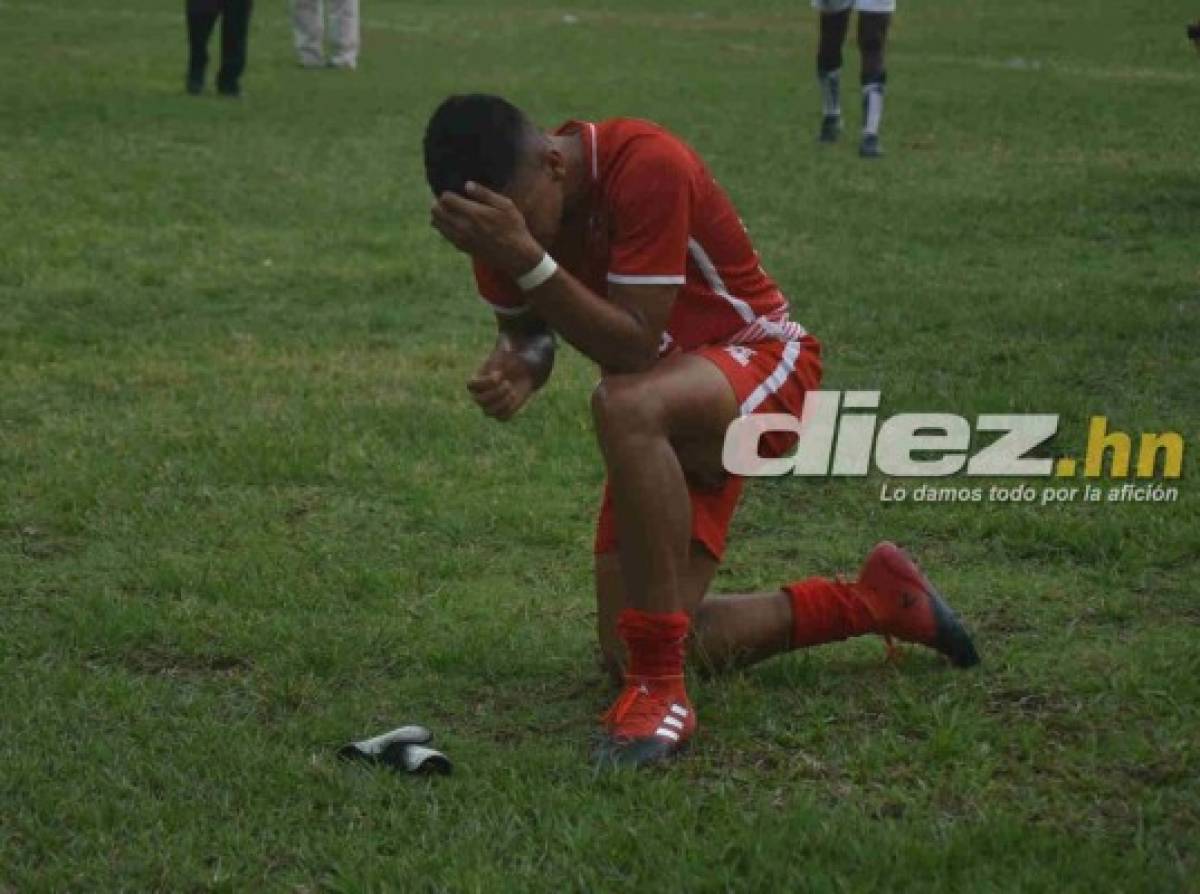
(545, 269)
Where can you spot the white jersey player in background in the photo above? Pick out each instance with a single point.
(874, 16)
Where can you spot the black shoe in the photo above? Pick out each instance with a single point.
(194, 84)
(229, 89)
(831, 129)
(869, 147)
(618, 754)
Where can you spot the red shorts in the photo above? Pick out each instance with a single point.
(767, 377)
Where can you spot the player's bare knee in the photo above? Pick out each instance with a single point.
(624, 406)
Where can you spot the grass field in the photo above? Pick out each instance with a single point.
(248, 513)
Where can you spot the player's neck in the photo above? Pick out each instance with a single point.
(576, 184)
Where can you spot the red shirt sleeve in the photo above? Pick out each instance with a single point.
(499, 291)
(651, 207)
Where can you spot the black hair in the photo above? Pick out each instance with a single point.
(475, 137)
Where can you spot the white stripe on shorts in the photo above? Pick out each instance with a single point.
(774, 381)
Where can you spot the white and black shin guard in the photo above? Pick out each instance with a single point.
(405, 749)
(830, 83)
(872, 99)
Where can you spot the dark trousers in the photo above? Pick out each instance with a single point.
(235, 26)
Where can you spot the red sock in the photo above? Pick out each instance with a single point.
(825, 611)
(656, 643)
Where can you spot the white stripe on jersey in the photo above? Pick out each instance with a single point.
(775, 325)
(631, 279)
(709, 269)
(786, 364)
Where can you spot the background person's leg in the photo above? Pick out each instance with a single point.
(872, 41)
(308, 32)
(201, 17)
(343, 33)
(235, 33)
(833, 27)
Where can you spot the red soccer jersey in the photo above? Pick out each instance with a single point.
(658, 217)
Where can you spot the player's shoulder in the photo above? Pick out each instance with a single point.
(633, 128)
(617, 136)
(635, 147)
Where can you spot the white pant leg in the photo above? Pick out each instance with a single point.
(343, 33)
(860, 5)
(308, 31)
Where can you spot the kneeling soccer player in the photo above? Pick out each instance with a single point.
(615, 236)
(874, 16)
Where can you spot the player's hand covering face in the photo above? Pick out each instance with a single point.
(487, 226)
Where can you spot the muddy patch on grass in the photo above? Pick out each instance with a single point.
(39, 542)
(159, 661)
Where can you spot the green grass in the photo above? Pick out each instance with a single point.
(247, 511)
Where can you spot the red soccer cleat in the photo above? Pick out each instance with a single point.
(649, 723)
(906, 606)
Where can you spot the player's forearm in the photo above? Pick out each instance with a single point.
(606, 333)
